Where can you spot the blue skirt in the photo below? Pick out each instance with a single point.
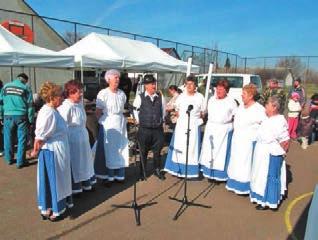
(47, 192)
(272, 195)
(218, 174)
(179, 169)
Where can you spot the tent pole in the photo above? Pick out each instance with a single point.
(11, 73)
(34, 74)
(82, 74)
(189, 66)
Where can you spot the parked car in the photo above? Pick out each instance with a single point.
(236, 80)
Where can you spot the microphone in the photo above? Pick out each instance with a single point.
(190, 107)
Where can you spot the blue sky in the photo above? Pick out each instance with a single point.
(246, 27)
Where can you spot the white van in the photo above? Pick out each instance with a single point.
(236, 80)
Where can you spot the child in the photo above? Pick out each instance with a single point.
(314, 115)
(294, 109)
(305, 126)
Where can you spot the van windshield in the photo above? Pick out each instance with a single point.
(234, 81)
(256, 80)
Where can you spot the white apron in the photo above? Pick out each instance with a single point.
(214, 145)
(115, 128)
(115, 141)
(246, 124)
(52, 128)
(180, 137)
(272, 131)
(260, 168)
(81, 154)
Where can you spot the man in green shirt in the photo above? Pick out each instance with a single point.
(274, 90)
(16, 113)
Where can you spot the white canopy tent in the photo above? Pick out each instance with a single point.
(100, 51)
(17, 52)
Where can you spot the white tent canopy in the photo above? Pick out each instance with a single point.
(17, 52)
(100, 51)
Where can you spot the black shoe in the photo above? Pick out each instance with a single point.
(142, 177)
(120, 181)
(45, 217)
(25, 164)
(159, 174)
(260, 208)
(108, 184)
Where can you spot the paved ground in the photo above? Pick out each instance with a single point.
(94, 215)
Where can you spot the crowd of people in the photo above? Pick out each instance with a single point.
(242, 145)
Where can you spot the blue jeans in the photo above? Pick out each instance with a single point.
(13, 124)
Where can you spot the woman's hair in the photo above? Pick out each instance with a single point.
(72, 87)
(223, 83)
(250, 89)
(173, 87)
(50, 90)
(275, 102)
(110, 73)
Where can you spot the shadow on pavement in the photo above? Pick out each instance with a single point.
(300, 227)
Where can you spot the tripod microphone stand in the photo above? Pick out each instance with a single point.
(134, 205)
(185, 203)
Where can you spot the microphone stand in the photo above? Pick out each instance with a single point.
(134, 205)
(185, 203)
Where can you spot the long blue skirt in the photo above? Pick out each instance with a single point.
(218, 174)
(47, 192)
(272, 195)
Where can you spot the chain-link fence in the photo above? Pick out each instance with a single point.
(69, 32)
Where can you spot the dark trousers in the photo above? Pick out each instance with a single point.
(151, 139)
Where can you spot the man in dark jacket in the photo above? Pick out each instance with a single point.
(149, 113)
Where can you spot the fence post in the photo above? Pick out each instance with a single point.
(245, 59)
(157, 42)
(75, 32)
(235, 63)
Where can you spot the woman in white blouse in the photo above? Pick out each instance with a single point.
(112, 154)
(176, 157)
(247, 120)
(54, 170)
(215, 150)
(268, 177)
(73, 112)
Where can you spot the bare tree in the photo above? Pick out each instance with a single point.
(71, 37)
(292, 63)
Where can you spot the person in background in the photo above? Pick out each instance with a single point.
(176, 157)
(112, 155)
(54, 184)
(314, 115)
(268, 176)
(125, 85)
(216, 144)
(149, 114)
(202, 87)
(294, 108)
(1, 127)
(17, 113)
(247, 120)
(297, 88)
(73, 112)
(273, 89)
(171, 117)
(305, 126)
